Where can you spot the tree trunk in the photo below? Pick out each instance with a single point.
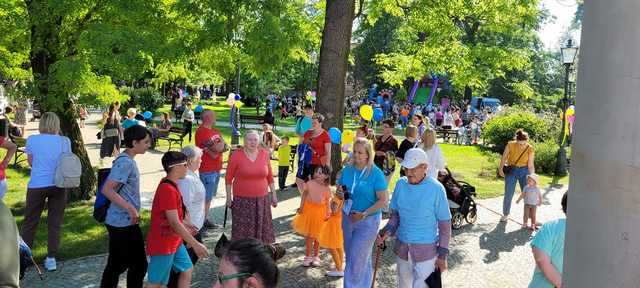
(467, 93)
(43, 41)
(334, 54)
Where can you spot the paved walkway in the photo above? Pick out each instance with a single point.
(486, 254)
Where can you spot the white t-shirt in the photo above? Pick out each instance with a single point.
(435, 160)
(45, 150)
(193, 197)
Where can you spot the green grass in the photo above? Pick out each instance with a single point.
(478, 167)
(81, 234)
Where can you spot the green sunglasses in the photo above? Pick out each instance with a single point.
(225, 278)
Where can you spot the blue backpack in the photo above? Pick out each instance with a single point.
(102, 203)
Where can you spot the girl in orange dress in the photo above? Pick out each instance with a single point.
(313, 213)
(331, 236)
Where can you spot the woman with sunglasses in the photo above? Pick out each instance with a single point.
(249, 263)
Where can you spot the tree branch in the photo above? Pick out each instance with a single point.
(360, 9)
(81, 26)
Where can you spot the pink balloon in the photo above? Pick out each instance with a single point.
(571, 118)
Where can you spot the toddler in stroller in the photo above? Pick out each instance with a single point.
(460, 195)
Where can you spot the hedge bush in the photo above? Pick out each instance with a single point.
(498, 131)
(545, 157)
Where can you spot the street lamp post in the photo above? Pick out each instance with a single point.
(235, 136)
(312, 57)
(568, 58)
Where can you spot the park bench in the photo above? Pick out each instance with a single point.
(176, 135)
(20, 151)
(250, 119)
(447, 134)
(19, 141)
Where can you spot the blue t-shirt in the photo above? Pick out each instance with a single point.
(45, 150)
(366, 186)
(550, 240)
(124, 171)
(420, 207)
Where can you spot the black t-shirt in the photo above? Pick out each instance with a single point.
(404, 147)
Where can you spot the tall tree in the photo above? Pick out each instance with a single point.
(334, 56)
(473, 41)
(67, 41)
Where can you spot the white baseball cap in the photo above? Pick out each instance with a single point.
(413, 158)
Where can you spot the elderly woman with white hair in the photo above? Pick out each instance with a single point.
(249, 179)
(193, 198)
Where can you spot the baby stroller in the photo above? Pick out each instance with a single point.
(460, 195)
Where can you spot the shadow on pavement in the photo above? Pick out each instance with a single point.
(497, 241)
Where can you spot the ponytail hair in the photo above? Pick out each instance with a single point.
(251, 256)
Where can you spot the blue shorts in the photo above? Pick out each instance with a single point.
(160, 265)
(210, 181)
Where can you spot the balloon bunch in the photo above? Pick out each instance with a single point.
(341, 138)
(367, 113)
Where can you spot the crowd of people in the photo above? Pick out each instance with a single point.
(343, 219)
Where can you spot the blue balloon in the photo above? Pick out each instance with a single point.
(335, 134)
(147, 115)
(198, 108)
(379, 99)
(305, 124)
(377, 114)
(237, 97)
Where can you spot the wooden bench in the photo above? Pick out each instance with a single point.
(250, 119)
(20, 151)
(292, 159)
(447, 134)
(176, 135)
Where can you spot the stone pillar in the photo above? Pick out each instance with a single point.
(602, 245)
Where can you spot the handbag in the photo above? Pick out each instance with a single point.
(223, 242)
(507, 168)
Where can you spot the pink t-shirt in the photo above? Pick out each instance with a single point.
(249, 178)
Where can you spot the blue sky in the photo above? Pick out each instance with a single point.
(563, 11)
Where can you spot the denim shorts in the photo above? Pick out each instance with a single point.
(210, 181)
(160, 265)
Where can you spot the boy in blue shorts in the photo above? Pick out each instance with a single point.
(170, 227)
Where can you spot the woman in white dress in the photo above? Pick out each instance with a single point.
(435, 158)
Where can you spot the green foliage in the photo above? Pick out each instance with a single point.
(146, 99)
(473, 41)
(545, 156)
(378, 38)
(401, 94)
(14, 40)
(502, 128)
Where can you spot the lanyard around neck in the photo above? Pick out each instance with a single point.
(353, 186)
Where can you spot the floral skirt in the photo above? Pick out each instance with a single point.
(251, 217)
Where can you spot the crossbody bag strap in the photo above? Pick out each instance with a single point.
(525, 150)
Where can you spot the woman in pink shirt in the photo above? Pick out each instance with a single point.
(248, 181)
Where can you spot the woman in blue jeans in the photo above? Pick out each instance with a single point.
(367, 190)
(518, 155)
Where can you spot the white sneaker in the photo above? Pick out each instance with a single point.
(335, 273)
(504, 218)
(50, 264)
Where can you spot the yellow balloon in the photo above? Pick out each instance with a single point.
(366, 111)
(347, 137)
(239, 104)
